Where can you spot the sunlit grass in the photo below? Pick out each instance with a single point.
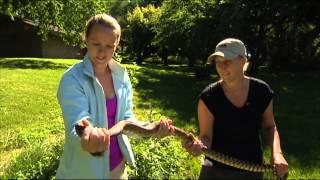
(29, 111)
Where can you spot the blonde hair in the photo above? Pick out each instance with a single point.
(246, 64)
(104, 20)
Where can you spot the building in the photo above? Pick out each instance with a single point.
(19, 38)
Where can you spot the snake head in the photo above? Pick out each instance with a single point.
(80, 129)
(80, 126)
(191, 136)
(186, 137)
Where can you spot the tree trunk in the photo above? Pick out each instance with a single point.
(164, 56)
(139, 59)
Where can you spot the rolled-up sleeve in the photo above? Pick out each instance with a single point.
(74, 104)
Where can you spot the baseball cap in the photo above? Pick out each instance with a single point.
(228, 49)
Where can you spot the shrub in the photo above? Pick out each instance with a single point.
(40, 161)
(162, 159)
(133, 70)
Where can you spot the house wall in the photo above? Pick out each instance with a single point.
(54, 47)
(19, 39)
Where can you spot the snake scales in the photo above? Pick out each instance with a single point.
(146, 130)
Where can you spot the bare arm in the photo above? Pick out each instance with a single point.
(270, 129)
(273, 140)
(205, 118)
(206, 121)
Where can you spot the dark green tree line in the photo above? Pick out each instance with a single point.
(278, 34)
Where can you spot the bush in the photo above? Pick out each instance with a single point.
(133, 71)
(162, 159)
(40, 161)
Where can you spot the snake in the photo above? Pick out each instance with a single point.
(147, 129)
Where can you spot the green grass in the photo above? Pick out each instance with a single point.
(30, 116)
(29, 112)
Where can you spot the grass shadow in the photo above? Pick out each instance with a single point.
(296, 113)
(30, 64)
(174, 89)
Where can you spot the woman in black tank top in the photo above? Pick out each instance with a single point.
(232, 112)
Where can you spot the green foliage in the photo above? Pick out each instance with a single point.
(139, 34)
(118, 57)
(120, 9)
(182, 28)
(278, 35)
(162, 159)
(39, 161)
(133, 71)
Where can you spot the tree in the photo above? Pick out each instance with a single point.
(139, 34)
(182, 28)
(283, 35)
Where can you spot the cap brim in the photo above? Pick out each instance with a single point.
(226, 55)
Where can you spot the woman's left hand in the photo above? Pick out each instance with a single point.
(280, 164)
(165, 128)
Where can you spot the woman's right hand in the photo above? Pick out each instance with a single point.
(94, 139)
(194, 147)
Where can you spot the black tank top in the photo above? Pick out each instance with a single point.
(236, 131)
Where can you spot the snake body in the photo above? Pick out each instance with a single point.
(217, 156)
(146, 130)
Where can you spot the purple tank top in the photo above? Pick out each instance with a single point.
(115, 155)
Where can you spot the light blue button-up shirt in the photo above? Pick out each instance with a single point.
(81, 96)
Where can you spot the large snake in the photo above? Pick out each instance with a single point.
(147, 129)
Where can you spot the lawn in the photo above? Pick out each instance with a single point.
(32, 128)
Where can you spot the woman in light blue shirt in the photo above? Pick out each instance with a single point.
(98, 92)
